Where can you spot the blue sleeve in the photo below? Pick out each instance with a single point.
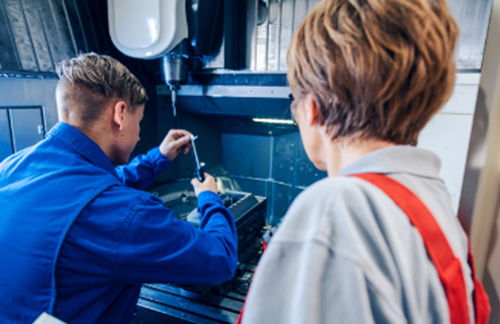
(143, 169)
(156, 247)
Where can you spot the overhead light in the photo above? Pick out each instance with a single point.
(274, 121)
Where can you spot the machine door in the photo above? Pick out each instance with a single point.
(20, 127)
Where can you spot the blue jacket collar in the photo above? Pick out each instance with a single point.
(81, 144)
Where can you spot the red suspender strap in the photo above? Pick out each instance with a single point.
(481, 301)
(447, 265)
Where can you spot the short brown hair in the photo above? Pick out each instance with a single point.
(90, 81)
(375, 68)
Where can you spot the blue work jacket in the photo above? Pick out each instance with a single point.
(78, 237)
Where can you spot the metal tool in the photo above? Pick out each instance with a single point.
(174, 71)
(199, 166)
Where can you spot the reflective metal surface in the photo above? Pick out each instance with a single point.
(230, 91)
(276, 167)
(271, 23)
(38, 34)
(35, 35)
(479, 207)
(473, 18)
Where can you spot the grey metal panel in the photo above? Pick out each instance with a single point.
(251, 37)
(300, 12)
(21, 34)
(274, 30)
(286, 31)
(262, 34)
(230, 91)
(5, 141)
(76, 26)
(472, 17)
(87, 25)
(15, 92)
(246, 155)
(274, 166)
(257, 187)
(8, 52)
(270, 24)
(37, 34)
(63, 28)
(25, 125)
(51, 31)
(284, 157)
(479, 203)
(256, 107)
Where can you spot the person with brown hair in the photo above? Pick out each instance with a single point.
(79, 236)
(377, 241)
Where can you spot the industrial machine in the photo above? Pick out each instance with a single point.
(220, 303)
(159, 303)
(179, 32)
(217, 68)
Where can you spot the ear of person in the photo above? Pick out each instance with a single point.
(119, 115)
(313, 117)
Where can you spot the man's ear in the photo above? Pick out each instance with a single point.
(313, 117)
(119, 113)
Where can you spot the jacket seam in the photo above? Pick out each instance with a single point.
(80, 208)
(125, 225)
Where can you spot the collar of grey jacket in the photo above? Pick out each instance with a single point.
(397, 159)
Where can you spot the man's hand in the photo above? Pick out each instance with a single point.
(177, 140)
(208, 185)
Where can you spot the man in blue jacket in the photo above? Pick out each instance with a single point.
(79, 237)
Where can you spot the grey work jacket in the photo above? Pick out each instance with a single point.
(346, 253)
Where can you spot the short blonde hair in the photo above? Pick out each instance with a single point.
(88, 82)
(375, 68)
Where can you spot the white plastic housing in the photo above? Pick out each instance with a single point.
(147, 29)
